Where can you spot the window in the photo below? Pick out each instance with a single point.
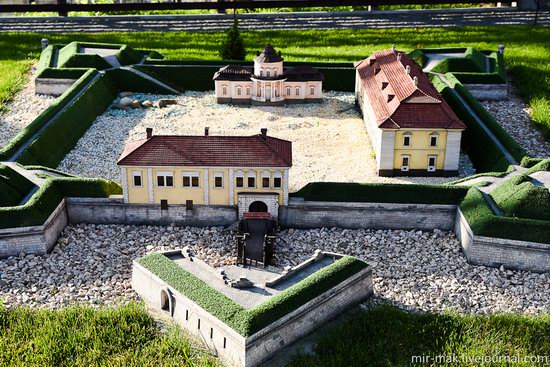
(265, 182)
(251, 181)
(239, 91)
(405, 162)
(199, 324)
(433, 140)
(224, 90)
(165, 179)
(261, 73)
(277, 180)
(297, 91)
(407, 140)
(276, 93)
(275, 73)
(312, 91)
(288, 91)
(191, 179)
(247, 91)
(218, 180)
(432, 162)
(240, 182)
(268, 74)
(137, 178)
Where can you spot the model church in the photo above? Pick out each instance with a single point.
(268, 82)
(412, 129)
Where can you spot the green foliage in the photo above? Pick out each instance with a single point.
(65, 53)
(41, 205)
(13, 187)
(51, 146)
(381, 193)
(26, 133)
(419, 57)
(45, 60)
(127, 81)
(127, 55)
(388, 336)
(88, 336)
(248, 322)
(484, 222)
(233, 47)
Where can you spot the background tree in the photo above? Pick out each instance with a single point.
(233, 47)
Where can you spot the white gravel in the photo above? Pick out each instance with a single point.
(330, 142)
(514, 116)
(22, 110)
(427, 271)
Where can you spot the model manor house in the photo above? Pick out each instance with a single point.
(412, 129)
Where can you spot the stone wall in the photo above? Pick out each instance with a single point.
(114, 211)
(495, 252)
(317, 214)
(256, 349)
(52, 86)
(37, 240)
(488, 92)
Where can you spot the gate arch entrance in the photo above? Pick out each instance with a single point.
(258, 207)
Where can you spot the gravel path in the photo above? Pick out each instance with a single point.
(91, 264)
(330, 142)
(22, 110)
(514, 116)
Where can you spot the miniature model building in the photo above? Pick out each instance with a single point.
(412, 129)
(268, 82)
(249, 171)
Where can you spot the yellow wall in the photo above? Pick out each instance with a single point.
(178, 194)
(420, 148)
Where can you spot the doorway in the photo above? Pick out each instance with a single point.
(258, 207)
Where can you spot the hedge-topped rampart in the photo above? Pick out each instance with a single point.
(484, 222)
(27, 132)
(13, 187)
(382, 193)
(41, 205)
(51, 146)
(247, 322)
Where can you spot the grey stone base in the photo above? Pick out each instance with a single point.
(416, 173)
(52, 86)
(271, 103)
(488, 92)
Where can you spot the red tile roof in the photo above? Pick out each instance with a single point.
(395, 99)
(207, 151)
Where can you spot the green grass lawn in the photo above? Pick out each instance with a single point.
(84, 336)
(386, 336)
(526, 56)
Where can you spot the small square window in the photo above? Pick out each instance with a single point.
(277, 183)
(406, 140)
(240, 182)
(265, 182)
(218, 181)
(160, 180)
(433, 141)
(186, 181)
(297, 91)
(251, 182)
(195, 181)
(137, 179)
(405, 162)
(247, 91)
(432, 161)
(169, 181)
(312, 91)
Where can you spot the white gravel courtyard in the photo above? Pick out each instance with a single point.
(330, 142)
(91, 264)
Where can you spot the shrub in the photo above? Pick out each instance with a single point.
(233, 47)
(51, 146)
(247, 322)
(382, 193)
(27, 133)
(519, 197)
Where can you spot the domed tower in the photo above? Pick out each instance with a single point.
(268, 63)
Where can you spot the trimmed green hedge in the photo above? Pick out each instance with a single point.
(65, 53)
(86, 61)
(519, 197)
(13, 187)
(128, 81)
(45, 60)
(26, 133)
(483, 152)
(479, 78)
(248, 322)
(40, 206)
(51, 146)
(419, 57)
(382, 193)
(62, 73)
(484, 222)
(127, 55)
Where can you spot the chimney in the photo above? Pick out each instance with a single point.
(206, 131)
(149, 132)
(45, 42)
(393, 48)
(264, 133)
(408, 69)
(399, 56)
(501, 49)
(415, 81)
